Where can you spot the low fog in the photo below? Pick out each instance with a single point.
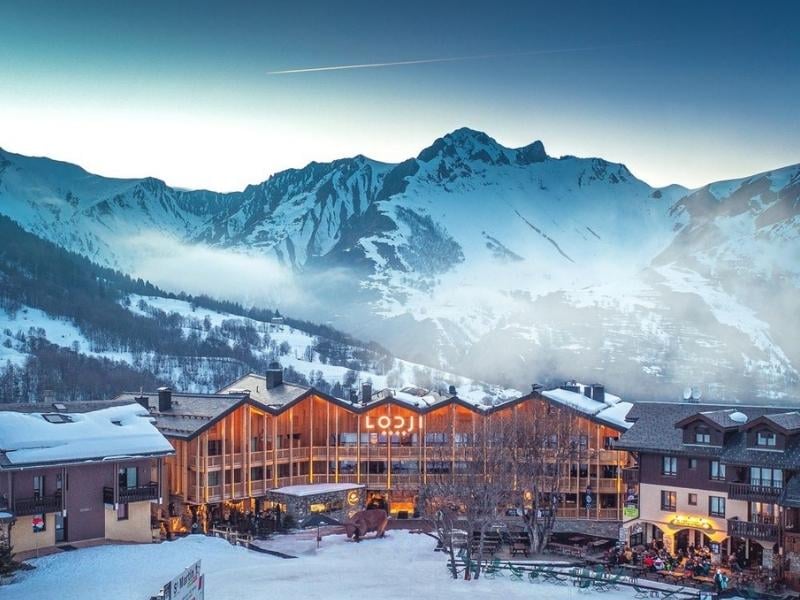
(645, 341)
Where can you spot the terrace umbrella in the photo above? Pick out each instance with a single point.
(318, 520)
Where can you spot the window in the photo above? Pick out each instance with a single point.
(237, 476)
(669, 466)
(766, 477)
(214, 447)
(717, 471)
(669, 500)
(766, 438)
(716, 506)
(128, 478)
(213, 478)
(435, 439)
(692, 463)
(702, 436)
(122, 511)
(692, 499)
(38, 486)
(463, 439)
(256, 473)
(763, 512)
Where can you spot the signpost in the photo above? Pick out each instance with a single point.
(188, 585)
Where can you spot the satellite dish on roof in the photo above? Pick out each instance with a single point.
(696, 394)
(738, 417)
(687, 393)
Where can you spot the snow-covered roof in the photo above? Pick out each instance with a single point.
(127, 431)
(611, 410)
(316, 488)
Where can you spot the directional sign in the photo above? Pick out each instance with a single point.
(186, 586)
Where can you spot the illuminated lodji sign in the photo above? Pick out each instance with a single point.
(390, 424)
(690, 521)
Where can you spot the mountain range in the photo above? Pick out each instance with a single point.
(505, 264)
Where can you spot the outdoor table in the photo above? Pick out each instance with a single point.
(519, 548)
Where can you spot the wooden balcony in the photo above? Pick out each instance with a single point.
(140, 493)
(757, 531)
(35, 506)
(630, 475)
(753, 493)
(594, 514)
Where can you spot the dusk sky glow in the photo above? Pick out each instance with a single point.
(681, 92)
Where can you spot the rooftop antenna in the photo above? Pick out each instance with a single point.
(687, 393)
(696, 394)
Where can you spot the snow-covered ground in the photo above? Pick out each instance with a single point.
(399, 566)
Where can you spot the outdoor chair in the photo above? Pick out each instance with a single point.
(599, 584)
(585, 585)
(517, 574)
(533, 576)
(554, 577)
(494, 569)
(641, 593)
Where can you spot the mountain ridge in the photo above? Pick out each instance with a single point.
(467, 242)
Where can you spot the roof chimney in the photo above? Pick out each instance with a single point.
(366, 392)
(598, 392)
(143, 401)
(164, 399)
(452, 390)
(535, 387)
(274, 375)
(49, 396)
(353, 395)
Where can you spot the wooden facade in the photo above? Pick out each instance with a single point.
(389, 446)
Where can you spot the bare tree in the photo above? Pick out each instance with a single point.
(544, 449)
(465, 487)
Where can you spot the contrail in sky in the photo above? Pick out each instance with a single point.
(424, 61)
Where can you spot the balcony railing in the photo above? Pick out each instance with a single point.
(755, 493)
(35, 506)
(140, 493)
(757, 531)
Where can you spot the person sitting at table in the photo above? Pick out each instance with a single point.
(648, 562)
(658, 564)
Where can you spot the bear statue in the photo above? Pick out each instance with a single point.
(372, 519)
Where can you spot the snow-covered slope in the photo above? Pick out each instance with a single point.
(504, 263)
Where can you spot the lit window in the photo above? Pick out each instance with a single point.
(669, 500)
(702, 436)
(692, 499)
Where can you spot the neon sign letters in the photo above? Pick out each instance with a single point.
(390, 424)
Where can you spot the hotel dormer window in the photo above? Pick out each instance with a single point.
(702, 436)
(766, 439)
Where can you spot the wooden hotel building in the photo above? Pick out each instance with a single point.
(261, 433)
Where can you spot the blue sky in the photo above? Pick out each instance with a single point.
(685, 92)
